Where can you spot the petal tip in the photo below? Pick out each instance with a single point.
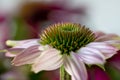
(10, 43)
(35, 70)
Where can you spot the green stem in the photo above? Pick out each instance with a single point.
(64, 75)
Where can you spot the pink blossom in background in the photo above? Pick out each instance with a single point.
(34, 16)
(4, 30)
(13, 74)
(42, 13)
(115, 61)
(96, 73)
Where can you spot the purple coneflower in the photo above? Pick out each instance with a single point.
(67, 46)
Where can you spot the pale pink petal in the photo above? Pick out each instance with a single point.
(106, 37)
(23, 43)
(8, 54)
(112, 42)
(75, 67)
(91, 55)
(12, 52)
(27, 56)
(50, 59)
(106, 49)
(99, 34)
(42, 48)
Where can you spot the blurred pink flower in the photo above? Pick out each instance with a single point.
(115, 61)
(4, 31)
(40, 14)
(96, 73)
(52, 12)
(31, 17)
(13, 75)
(96, 53)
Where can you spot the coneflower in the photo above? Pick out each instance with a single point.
(67, 46)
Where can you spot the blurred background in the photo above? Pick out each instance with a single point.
(25, 19)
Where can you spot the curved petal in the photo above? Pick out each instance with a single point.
(106, 49)
(23, 43)
(49, 60)
(27, 56)
(99, 34)
(75, 67)
(12, 52)
(91, 55)
(113, 42)
(8, 54)
(106, 37)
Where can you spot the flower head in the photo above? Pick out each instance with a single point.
(66, 45)
(67, 37)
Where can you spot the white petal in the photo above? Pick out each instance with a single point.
(106, 49)
(27, 56)
(75, 67)
(49, 60)
(8, 54)
(106, 37)
(42, 48)
(23, 43)
(112, 42)
(91, 56)
(12, 52)
(101, 45)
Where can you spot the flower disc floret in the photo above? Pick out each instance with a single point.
(67, 37)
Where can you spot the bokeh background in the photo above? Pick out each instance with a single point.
(25, 19)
